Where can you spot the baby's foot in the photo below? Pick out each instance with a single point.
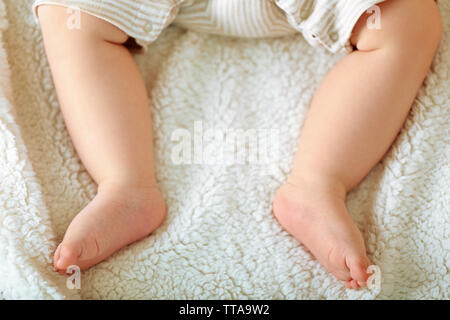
(318, 218)
(115, 218)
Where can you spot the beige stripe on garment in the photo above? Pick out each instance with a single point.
(244, 18)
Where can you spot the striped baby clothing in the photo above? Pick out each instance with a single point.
(326, 23)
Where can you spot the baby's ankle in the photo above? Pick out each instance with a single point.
(116, 185)
(318, 181)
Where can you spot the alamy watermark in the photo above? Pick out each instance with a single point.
(74, 279)
(373, 21)
(74, 20)
(374, 281)
(219, 146)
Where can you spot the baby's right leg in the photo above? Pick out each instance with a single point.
(105, 106)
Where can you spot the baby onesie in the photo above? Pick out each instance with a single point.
(326, 23)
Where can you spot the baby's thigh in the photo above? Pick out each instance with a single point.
(402, 23)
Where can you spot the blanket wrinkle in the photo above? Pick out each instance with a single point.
(220, 239)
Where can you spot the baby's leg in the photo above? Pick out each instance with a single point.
(105, 106)
(354, 118)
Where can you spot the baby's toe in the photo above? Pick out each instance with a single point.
(68, 255)
(56, 255)
(352, 284)
(341, 274)
(337, 266)
(358, 268)
(348, 284)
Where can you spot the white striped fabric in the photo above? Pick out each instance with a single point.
(243, 18)
(327, 23)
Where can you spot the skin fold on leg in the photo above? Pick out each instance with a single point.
(354, 118)
(105, 107)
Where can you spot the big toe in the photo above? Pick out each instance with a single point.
(358, 268)
(353, 284)
(66, 255)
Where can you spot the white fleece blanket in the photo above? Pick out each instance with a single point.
(220, 239)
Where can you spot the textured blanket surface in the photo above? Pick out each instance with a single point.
(220, 239)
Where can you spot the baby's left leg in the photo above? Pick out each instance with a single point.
(354, 118)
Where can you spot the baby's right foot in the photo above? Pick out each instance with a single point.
(316, 216)
(115, 218)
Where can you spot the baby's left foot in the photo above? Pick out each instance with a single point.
(317, 217)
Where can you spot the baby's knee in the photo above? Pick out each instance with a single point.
(404, 25)
(60, 22)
